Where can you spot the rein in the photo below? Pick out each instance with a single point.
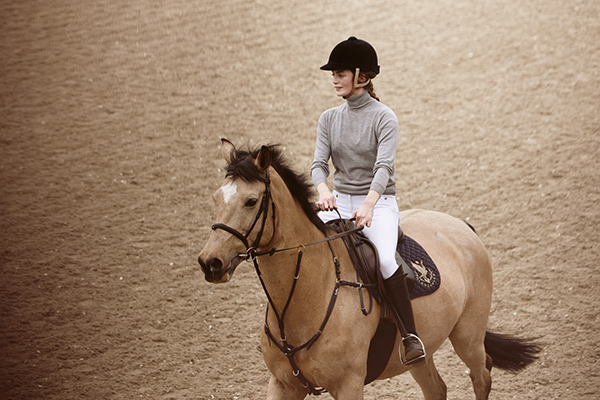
(252, 255)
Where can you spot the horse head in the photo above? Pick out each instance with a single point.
(243, 204)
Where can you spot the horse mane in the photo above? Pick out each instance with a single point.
(242, 166)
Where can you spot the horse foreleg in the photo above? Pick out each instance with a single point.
(430, 381)
(278, 391)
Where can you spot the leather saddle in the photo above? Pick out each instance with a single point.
(365, 258)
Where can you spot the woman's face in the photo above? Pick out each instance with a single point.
(343, 82)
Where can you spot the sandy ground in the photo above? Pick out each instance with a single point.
(110, 118)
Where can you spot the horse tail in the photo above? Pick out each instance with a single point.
(510, 353)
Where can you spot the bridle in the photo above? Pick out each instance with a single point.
(252, 253)
(263, 210)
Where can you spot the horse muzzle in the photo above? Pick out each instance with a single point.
(216, 272)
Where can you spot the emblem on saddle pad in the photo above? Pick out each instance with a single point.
(422, 274)
(425, 274)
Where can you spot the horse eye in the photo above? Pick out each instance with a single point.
(251, 202)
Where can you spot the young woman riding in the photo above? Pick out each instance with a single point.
(361, 137)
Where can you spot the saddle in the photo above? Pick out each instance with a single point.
(366, 259)
(422, 278)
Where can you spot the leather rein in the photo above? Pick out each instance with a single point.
(252, 254)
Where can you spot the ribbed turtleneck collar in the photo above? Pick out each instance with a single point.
(359, 101)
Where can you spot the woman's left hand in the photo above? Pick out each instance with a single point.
(364, 215)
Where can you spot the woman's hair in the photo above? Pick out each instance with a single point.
(369, 87)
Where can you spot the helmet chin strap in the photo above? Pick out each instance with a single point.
(357, 85)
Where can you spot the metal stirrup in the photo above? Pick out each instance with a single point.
(414, 360)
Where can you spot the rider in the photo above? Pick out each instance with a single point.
(361, 136)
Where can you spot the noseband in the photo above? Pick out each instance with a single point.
(263, 210)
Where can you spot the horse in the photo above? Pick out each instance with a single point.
(315, 334)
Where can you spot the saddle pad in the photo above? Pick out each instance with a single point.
(427, 276)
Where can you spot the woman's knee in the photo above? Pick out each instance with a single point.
(388, 266)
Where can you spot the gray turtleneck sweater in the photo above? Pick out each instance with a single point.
(361, 137)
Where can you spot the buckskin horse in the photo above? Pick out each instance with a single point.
(316, 334)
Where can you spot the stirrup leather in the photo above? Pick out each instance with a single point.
(417, 359)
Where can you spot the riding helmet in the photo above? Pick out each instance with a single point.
(351, 54)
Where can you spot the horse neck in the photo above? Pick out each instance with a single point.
(293, 227)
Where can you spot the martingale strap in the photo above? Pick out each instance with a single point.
(252, 254)
(286, 348)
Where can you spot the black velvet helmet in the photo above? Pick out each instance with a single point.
(351, 54)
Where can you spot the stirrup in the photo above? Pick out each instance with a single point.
(415, 360)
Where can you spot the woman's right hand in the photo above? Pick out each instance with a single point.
(326, 198)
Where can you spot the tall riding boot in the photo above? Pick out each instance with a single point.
(398, 293)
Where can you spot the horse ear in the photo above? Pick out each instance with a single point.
(263, 159)
(227, 149)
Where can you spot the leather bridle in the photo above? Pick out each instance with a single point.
(263, 210)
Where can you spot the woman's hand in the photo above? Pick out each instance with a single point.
(364, 214)
(326, 198)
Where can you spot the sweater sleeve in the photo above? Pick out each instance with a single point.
(320, 167)
(387, 143)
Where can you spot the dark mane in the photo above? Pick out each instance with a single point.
(242, 166)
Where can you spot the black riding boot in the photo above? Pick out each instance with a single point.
(397, 291)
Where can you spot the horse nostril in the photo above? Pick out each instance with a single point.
(211, 266)
(214, 265)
